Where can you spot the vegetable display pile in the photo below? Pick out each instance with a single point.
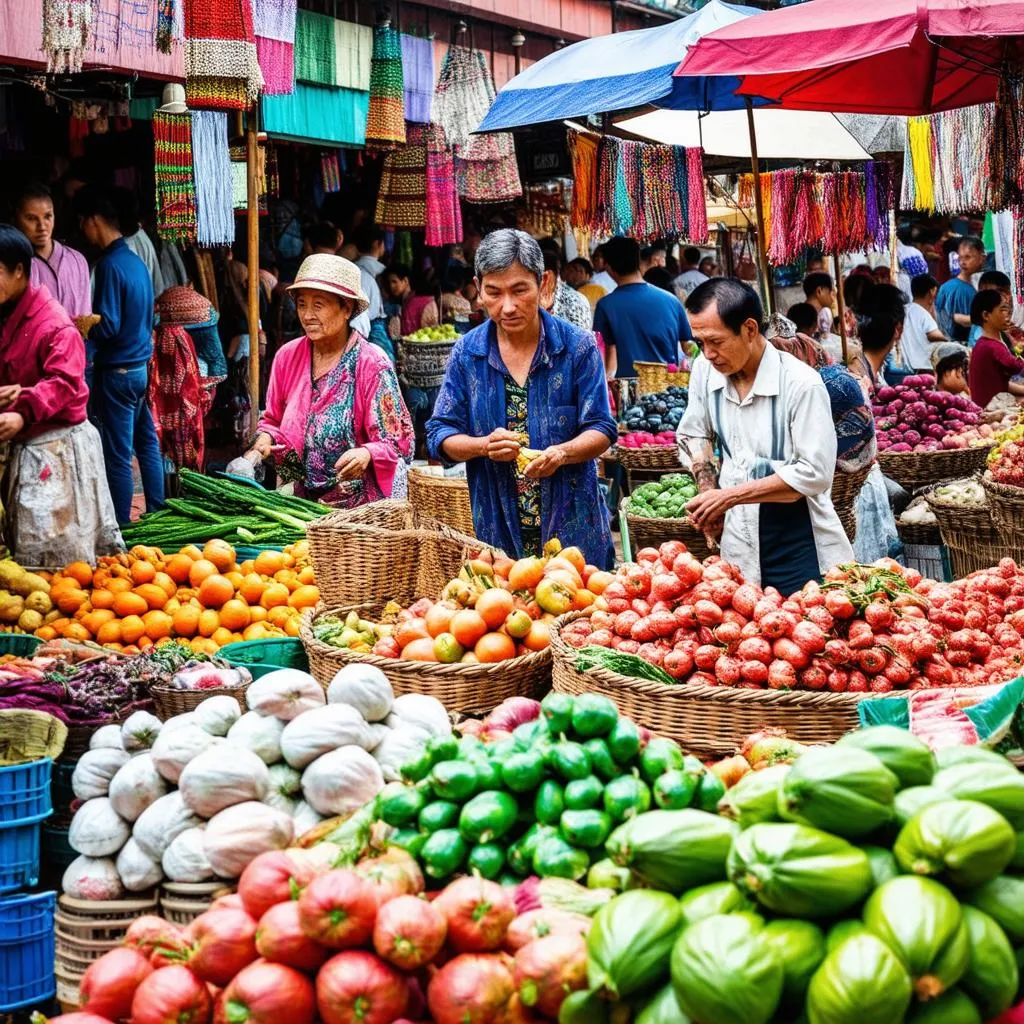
(494, 610)
(918, 513)
(200, 595)
(24, 598)
(663, 499)
(214, 508)
(657, 412)
(968, 493)
(645, 439)
(199, 796)
(866, 628)
(539, 797)
(1006, 460)
(912, 417)
(444, 332)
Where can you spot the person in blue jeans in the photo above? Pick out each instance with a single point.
(119, 348)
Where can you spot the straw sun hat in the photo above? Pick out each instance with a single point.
(334, 274)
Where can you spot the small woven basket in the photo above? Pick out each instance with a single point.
(846, 488)
(169, 701)
(384, 550)
(444, 498)
(919, 533)
(1007, 506)
(421, 364)
(912, 470)
(645, 532)
(711, 721)
(970, 536)
(662, 458)
(27, 735)
(467, 689)
(653, 377)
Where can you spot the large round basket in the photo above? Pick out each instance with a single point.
(182, 902)
(926, 534)
(444, 498)
(912, 470)
(169, 701)
(711, 721)
(645, 532)
(659, 458)
(1007, 506)
(846, 488)
(653, 377)
(77, 742)
(384, 550)
(971, 536)
(467, 689)
(421, 364)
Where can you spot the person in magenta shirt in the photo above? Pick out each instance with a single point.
(993, 365)
(418, 309)
(60, 268)
(55, 489)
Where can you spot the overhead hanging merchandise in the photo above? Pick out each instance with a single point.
(65, 33)
(836, 212)
(637, 189)
(444, 213)
(418, 76)
(330, 172)
(167, 12)
(1007, 150)
(175, 189)
(215, 220)
(385, 122)
(315, 50)
(221, 69)
(274, 25)
(401, 199)
(353, 53)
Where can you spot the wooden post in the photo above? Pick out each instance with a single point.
(253, 226)
(762, 242)
(841, 305)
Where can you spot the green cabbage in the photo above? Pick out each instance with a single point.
(795, 870)
(845, 791)
(716, 898)
(1003, 900)
(724, 973)
(910, 760)
(1000, 786)
(922, 923)
(960, 841)
(861, 981)
(754, 798)
(800, 947)
(991, 977)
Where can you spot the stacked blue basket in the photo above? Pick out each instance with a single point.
(26, 920)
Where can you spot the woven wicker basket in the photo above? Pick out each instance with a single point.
(970, 535)
(653, 377)
(182, 902)
(1007, 506)
(918, 533)
(912, 470)
(421, 364)
(467, 689)
(652, 533)
(169, 701)
(383, 551)
(444, 498)
(846, 488)
(711, 721)
(77, 742)
(661, 458)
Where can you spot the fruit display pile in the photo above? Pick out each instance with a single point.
(1006, 460)
(201, 595)
(443, 332)
(24, 598)
(913, 417)
(494, 610)
(865, 628)
(663, 499)
(540, 798)
(656, 412)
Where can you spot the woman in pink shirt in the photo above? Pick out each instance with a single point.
(55, 488)
(993, 365)
(418, 310)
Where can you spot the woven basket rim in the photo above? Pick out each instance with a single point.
(431, 670)
(1008, 492)
(433, 480)
(940, 453)
(163, 688)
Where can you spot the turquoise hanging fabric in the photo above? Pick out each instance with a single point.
(333, 117)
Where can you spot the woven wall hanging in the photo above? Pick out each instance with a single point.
(221, 69)
(175, 190)
(65, 33)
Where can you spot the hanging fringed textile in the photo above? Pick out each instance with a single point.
(385, 121)
(401, 199)
(221, 70)
(175, 191)
(165, 14)
(462, 97)
(1007, 153)
(697, 208)
(418, 75)
(444, 213)
(65, 34)
(274, 25)
(918, 193)
(330, 172)
(215, 220)
(583, 151)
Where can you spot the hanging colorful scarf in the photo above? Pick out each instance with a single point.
(274, 25)
(697, 206)
(215, 218)
(175, 190)
(330, 172)
(221, 69)
(165, 14)
(385, 120)
(444, 212)
(353, 51)
(462, 97)
(1007, 146)
(66, 26)
(177, 397)
(583, 151)
(418, 76)
(314, 49)
(918, 192)
(401, 199)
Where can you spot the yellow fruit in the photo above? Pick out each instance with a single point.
(276, 594)
(39, 601)
(132, 629)
(209, 622)
(11, 607)
(222, 636)
(29, 583)
(30, 621)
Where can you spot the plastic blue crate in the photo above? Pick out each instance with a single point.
(26, 950)
(25, 792)
(19, 856)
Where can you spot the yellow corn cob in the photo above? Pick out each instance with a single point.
(525, 457)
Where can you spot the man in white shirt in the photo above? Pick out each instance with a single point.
(920, 331)
(601, 276)
(690, 276)
(771, 418)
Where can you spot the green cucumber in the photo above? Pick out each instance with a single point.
(520, 853)
(624, 741)
(488, 816)
(503, 750)
(418, 768)
(488, 772)
(553, 857)
(659, 756)
(626, 797)
(442, 748)
(593, 715)
(588, 829)
(523, 772)
(409, 839)
(674, 790)
(582, 794)
(453, 780)
(401, 806)
(529, 733)
(710, 790)
(443, 853)
(487, 859)
(549, 802)
(469, 748)
(556, 709)
(601, 761)
(569, 760)
(437, 815)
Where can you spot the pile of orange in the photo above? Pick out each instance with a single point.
(202, 595)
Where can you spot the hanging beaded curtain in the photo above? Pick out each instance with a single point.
(221, 69)
(444, 213)
(385, 121)
(1007, 152)
(583, 151)
(330, 172)
(175, 191)
(65, 33)
(215, 219)
(461, 98)
(918, 192)
(165, 14)
(314, 48)
(401, 199)
(274, 25)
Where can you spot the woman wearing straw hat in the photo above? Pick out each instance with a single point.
(334, 421)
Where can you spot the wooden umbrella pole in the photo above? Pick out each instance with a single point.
(253, 227)
(841, 305)
(762, 241)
